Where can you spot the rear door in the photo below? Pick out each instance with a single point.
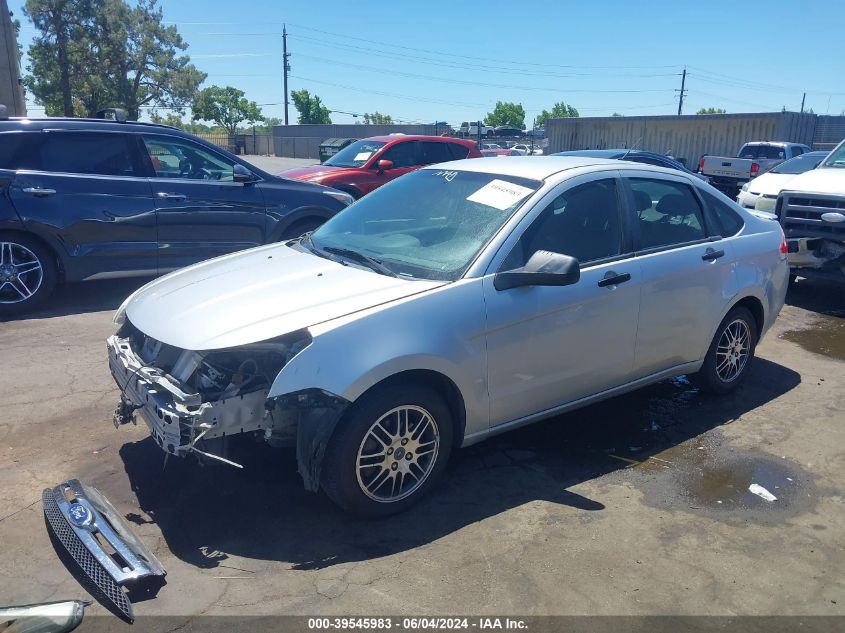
(686, 267)
(201, 211)
(88, 192)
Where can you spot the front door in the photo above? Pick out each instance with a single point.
(551, 345)
(405, 157)
(89, 191)
(201, 212)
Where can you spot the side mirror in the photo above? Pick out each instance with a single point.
(384, 165)
(242, 174)
(544, 268)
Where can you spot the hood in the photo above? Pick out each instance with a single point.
(311, 173)
(769, 183)
(824, 180)
(256, 295)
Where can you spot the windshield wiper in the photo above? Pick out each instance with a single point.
(373, 263)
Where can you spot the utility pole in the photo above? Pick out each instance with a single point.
(286, 64)
(682, 92)
(802, 102)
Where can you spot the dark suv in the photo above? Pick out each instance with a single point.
(94, 199)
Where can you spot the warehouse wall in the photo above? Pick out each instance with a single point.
(11, 91)
(686, 137)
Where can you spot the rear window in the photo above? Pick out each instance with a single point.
(762, 151)
(103, 154)
(458, 150)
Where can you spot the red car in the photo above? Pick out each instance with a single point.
(367, 164)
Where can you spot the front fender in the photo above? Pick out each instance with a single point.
(441, 330)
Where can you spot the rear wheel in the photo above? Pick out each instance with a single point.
(388, 451)
(27, 273)
(729, 358)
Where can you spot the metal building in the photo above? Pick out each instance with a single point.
(685, 137)
(11, 89)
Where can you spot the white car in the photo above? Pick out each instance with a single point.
(454, 303)
(762, 192)
(523, 149)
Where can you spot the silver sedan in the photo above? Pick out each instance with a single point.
(457, 302)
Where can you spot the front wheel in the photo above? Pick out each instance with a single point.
(388, 450)
(27, 273)
(730, 354)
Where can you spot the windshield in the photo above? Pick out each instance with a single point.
(798, 165)
(356, 154)
(836, 158)
(429, 224)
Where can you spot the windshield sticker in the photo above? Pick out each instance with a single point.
(499, 194)
(362, 156)
(448, 175)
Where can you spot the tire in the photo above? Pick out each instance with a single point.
(719, 374)
(24, 291)
(370, 491)
(300, 228)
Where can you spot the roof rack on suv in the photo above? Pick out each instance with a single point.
(114, 114)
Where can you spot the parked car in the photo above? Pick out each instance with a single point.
(504, 131)
(499, 152)
(762, 192)
(537, 132)
(455, 303)
(523, 149)
(483, 146)
(811, 208)
(470, 129)
(636, 156)
(367, 164)
(88, 199)
(728, 174)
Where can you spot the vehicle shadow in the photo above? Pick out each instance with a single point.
(84, 297)
(817, 296)
(262, 512)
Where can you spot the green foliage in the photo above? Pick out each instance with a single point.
(172, 119)
(506, 114)
(711, 111)
(267, 126)
(311, 109)
(560, 110)
(617, 114)
(376, 118)
(93, 54)
(227, 107)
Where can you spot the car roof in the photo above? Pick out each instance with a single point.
(415, 137)
(536, 167)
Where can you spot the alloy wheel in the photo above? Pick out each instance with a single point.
(397, 454)
(21, 273)
(733, 350)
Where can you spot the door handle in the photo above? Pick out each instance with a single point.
(38, 191)
(711, 254)
(178, 197)
(614, 279)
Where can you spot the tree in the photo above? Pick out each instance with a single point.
(92, 54)
(506, 114)
(172, 119)
(227, 107)
(617, 114)
(311, 109)
(267, 126)
(560, 110)
(377, 118)
(711, 111)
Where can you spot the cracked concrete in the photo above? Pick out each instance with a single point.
(590, 513)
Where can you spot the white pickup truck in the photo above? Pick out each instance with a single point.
(812, 212)
(729, 174)
(469, 129)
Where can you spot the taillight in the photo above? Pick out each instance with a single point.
(755, 169)
(784, 247)
(701, 166)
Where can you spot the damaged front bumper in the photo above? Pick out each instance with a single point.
(99, 541)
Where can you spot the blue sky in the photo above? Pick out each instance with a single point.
(452, 61)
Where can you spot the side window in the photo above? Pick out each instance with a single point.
(730, 220)
(17, 149)
(433, 152)
(102, 154)
(402, 154)
(668, 212)
(583, 222)
(457, 150)
(176, 158)
(797, 150)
